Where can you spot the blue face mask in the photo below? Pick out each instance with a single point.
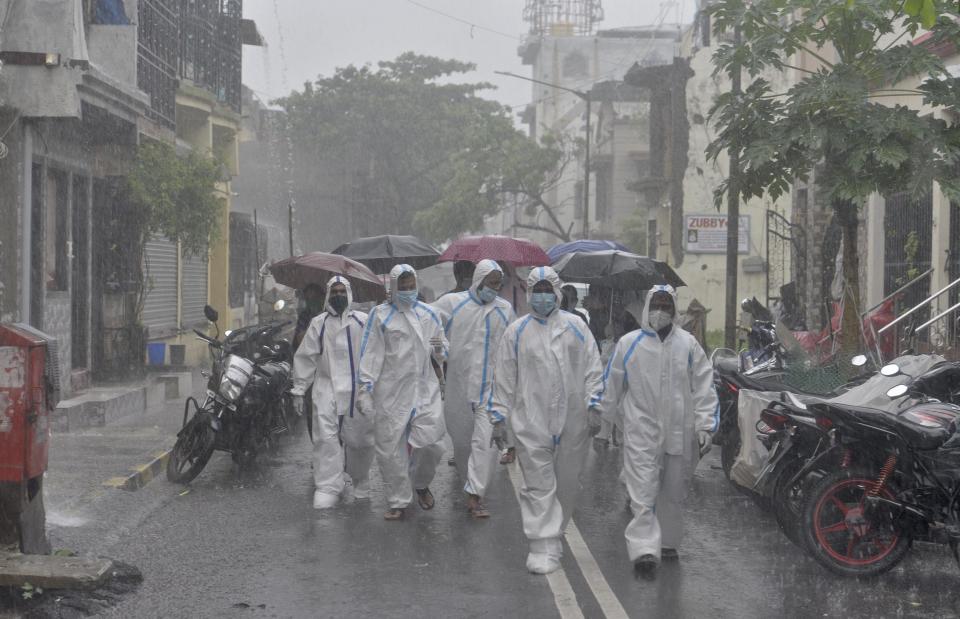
(543, 303)
(487, 295)
(406, 297)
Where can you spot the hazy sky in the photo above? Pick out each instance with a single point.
(306, 38)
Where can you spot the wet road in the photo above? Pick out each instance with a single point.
(253, 546)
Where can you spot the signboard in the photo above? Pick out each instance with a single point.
(707, 234)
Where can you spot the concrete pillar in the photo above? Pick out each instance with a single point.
(874, 258)
(939, 253)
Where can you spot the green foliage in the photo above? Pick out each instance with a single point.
(436, 157)
(835, 113)
(175, 195)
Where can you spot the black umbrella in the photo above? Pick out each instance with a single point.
(617, 269)
(382, 253)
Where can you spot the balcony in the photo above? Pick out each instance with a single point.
(157, 58)
(210, 47)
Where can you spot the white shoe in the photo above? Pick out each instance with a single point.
(322, 500)
(541, 563)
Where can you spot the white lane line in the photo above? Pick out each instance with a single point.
(608, 601)
(563, 595)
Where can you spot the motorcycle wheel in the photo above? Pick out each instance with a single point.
(191, 452)
(729, 451)
(788, 500)
(842, 535)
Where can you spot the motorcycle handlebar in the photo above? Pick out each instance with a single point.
(207, 338)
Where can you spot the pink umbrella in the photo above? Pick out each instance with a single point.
(518, 252)
(318, 267)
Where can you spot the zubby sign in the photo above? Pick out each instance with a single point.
(707, 234)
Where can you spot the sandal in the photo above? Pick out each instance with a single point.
(508, 457)
(394, 513)
(476, 507)
(425, 499)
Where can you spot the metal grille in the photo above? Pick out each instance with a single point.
(160, 302)
(210, 47)
(909, 229)
(157, 49)
(193, 290)
(562, 17)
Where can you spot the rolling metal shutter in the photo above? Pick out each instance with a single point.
(160, 303)
(193, 290)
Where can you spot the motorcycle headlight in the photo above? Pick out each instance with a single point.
(236, 375)
(229, 389)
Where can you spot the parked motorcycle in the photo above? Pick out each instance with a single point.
(247, 404)
(898, 479)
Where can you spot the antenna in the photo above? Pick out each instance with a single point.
(562, 18)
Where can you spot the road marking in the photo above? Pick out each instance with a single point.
(608, 601)
(141, 475)
(563, 595)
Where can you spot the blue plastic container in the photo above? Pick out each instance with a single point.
(156, 352)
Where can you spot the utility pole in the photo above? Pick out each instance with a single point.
(733, 219)
(585, 96)
(290, 224)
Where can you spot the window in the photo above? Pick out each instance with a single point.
(604, 178)
(652, 239)
(704, 29)
(55, 231)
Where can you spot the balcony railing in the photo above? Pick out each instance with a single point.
(210, 47)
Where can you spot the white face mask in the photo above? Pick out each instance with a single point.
(659, 319)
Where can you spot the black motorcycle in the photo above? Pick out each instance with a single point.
(247, 404)
(898, 479)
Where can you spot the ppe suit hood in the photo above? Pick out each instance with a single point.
(537, 275)
(484, 268)
(337, 279)
(645, 319)
(395, 274)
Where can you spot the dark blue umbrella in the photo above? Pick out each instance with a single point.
(583, 245)
(617, 269)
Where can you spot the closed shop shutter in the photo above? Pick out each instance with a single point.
(194, 290)
(160, 303)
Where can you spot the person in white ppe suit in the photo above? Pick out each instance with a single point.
(327, 359)
(547, 372)
(474, 324)
(402, 345)
(658, 385)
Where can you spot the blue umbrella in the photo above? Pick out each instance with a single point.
(583, 245)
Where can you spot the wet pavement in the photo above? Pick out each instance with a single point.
(235, 546)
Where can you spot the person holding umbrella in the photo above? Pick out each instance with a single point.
(475, 322)
(399, 388)
(326, 359)
(547, 372)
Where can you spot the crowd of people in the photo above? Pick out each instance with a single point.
(507, 370)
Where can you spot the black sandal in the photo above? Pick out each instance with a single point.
(425, 499)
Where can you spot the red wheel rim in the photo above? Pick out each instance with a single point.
(842, 530)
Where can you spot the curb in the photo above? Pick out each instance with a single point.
(141, 475)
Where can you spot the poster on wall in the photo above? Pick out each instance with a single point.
(707, 234)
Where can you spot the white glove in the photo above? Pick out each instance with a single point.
(705, 440)
(364, 403)
(298, 404)
(437, 343)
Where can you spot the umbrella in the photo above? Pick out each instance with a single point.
(382, 253)
(518, 252)
(557, 251)
(318, 267)
(617, 269)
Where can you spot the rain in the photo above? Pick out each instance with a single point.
(437, 308)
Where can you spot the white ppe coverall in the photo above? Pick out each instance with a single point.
(327, 358)
(547, 372)
(398, 384)
(661, 393)
(474, 329)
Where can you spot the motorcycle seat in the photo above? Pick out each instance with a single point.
(920, 437)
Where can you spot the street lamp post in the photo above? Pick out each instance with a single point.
(586, 176)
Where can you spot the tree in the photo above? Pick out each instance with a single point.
(427, 154)
(835, 117)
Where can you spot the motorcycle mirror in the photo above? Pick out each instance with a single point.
(745, 305)
(210, 313)
(896, 392)
(859, 361)
(279, 305)
(890, 370)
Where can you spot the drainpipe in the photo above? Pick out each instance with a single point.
(26, 252)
